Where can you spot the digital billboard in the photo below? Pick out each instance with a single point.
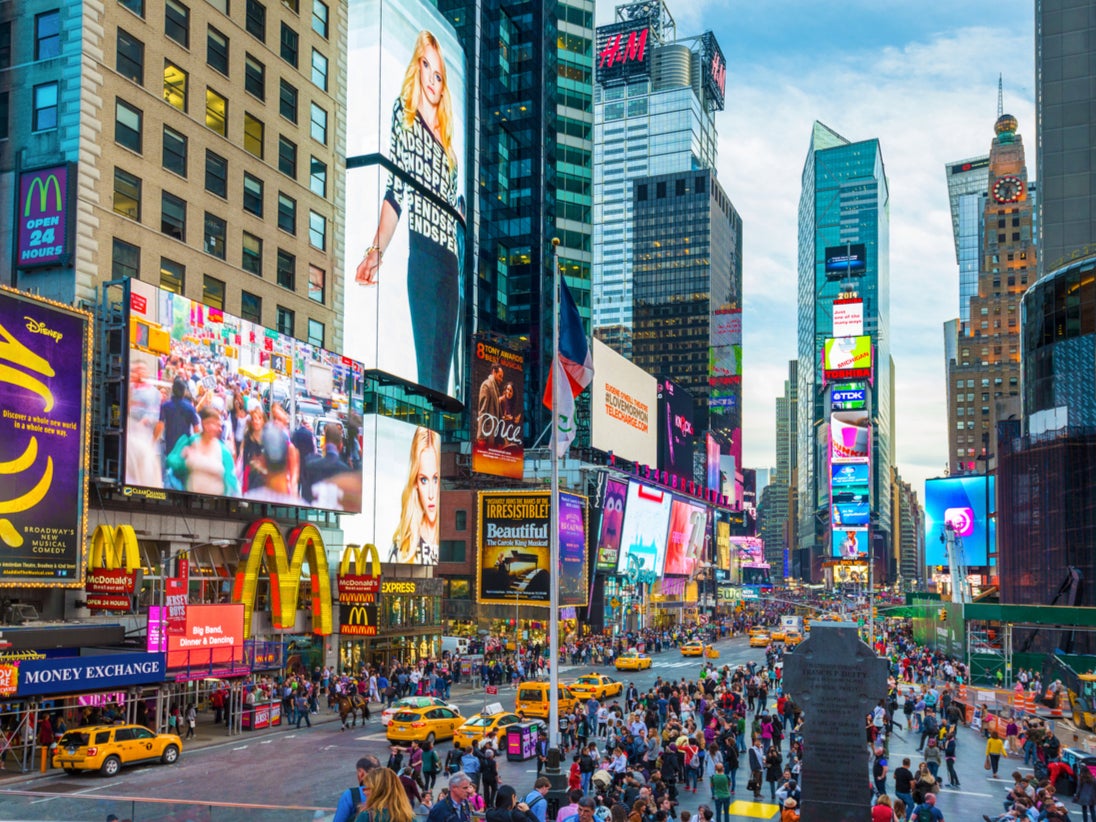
(848, 318)
(850, 438)
(646, 520)
(623, 51)
(515, 548)
(224, 407)
(44, 216)
(847, 358)
(725, 354)
(214, 635)
(850, 543)
(848, 396)
(849, 260)
(850, 494)
(964, 502)
(405, 195)
(713, 70)
(676, 433)
(45, 361)
(711, 461)
(401, 485)
(686, 538)
(498, 374)
(623, 405)
(613, 498)
(750, 551)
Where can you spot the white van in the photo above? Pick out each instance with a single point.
(454, 645)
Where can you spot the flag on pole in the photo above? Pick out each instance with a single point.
(575, 366)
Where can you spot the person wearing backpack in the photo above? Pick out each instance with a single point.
(929, 727)
(927, 810)
(537, 800)
(351, 798)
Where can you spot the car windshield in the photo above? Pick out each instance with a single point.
(478, 722)
(74, 739)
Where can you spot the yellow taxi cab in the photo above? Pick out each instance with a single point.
(532, 699)
(756, 630)
(759, 640)
(107, 748)
(597, 686)
(792, 638)
(424, 724)
(632, 661)
(485, 725)
(777, 634)
(692, 649)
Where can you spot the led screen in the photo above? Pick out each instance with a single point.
(224, 407)
(850, 436)
(405, 218)
(614, 497)
(847, 357)
(676, 433)
(499, 379)
(685, 543)
(643, 538)
(850, 543)
(962, 501)
(850, 494)
(623, 406)
(849, 260)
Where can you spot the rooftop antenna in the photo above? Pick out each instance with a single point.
(1000, 97)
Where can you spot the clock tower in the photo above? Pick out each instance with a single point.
(985, 372)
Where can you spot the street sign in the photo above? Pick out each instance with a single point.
(492, 690)
(614, 602)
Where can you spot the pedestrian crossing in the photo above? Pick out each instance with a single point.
(563, 669)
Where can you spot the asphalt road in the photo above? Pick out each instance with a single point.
(299, 775)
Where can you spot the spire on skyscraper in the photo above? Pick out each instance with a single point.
(1000, 96)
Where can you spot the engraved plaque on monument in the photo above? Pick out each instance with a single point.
(836, 679)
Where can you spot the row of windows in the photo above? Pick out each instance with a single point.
(126, 262)
(177, 20)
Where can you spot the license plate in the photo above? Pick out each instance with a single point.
(72, 751)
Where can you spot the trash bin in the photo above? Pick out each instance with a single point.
(521, 741)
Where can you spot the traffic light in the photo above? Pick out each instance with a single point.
(874, 612)
(943, 615)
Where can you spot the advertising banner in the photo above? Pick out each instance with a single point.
(969, 504)
(624, 51)
(646, 521)
(850, 543)
(848, 396)
(676, 433)
(750, 551)
(613, 499)
(712, 454)
(175, 608)
(214, 635)
(44, 366)
(44, 216)
(405, 255)
(850, 494)
(687, 537)
(849, 260)
(847, 358)
(196, 371)
(515, 545)
(59, 675)
(623, 405)
(358, 620)
(401, 484)
(848, 318)
(850, 439)
(497, 441)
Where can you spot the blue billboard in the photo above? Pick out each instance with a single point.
(964, 502)
(82, 674)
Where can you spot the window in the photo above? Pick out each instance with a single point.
(317, 230)
(254, 77)
(136, 6)
(287, 213)
(290, 45)
(215, 231)
(173, 216)
(216, 174)
(319, 69)
(317, 177)
(47, 35)
(315, 333)
(285, 321)
(216, 112)
(287, 102)
(127, 194)
(293, 5)
(217, 50)
(177, 22)
(319, 124)
(5, 103)
(256, 19)
(172, 275)
(129, 60)
(5, 44)
(452, 550)
(175, 85)
(174, 151)
(251, 307)
(127, 125)
(460, 519)
(253, 195)
(287, 157)
(253, 255)
(253, 135)
(317, 283)
(213, 292)
(319, 18)
(125, 260)
(221, 6)
(44, 115)
(287, 270)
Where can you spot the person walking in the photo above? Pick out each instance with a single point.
(489, 777)
(191, 720)
(454, 807)
(721, 794)
(1086, 794)
(386, 798)
(352, 798)
(431, 765)
(994, 748)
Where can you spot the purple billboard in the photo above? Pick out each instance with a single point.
(43, 217)
(43, 440)
(572, 550)
(612, 519)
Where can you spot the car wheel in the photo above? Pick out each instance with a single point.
(430, 737)
(171, 755)
(111, 766)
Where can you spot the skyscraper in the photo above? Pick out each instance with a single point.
(655, 101)
(843, 214)
(966, 190)
(774, 523)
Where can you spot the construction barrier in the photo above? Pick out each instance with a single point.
(1056, 708)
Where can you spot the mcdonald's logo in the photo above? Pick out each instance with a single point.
(43, 224)
(358, 620)
(264, 542)
(354, 584)
(113, 564)
(42, 185)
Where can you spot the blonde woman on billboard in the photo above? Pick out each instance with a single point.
(416, 540)
(422, 146)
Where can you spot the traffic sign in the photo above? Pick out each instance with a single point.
(492, 690)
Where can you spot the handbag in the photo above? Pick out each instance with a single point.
(986, 763)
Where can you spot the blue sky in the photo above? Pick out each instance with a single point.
(920, 77)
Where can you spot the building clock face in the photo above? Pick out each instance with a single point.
(1008, 189)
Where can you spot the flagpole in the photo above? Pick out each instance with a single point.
(553, 552)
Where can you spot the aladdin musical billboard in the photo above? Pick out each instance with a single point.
(45, 395)
(224, 407)
(687, 537)
(614, 497)
(405, 195)
(45, 216)
(643, 538)
(623, 407)
(514, 554)
(498, 373)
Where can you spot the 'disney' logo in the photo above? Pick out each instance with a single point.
(38, 327)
